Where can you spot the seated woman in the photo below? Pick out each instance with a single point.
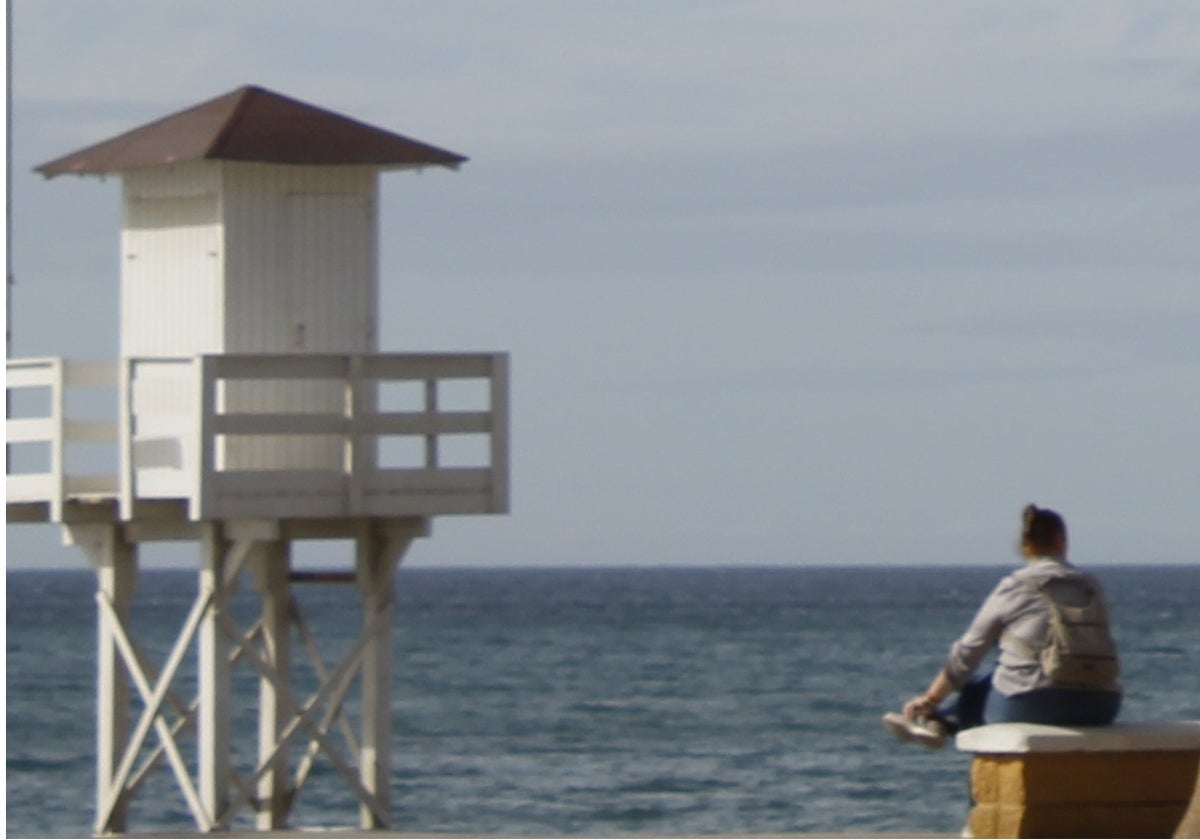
(1057, 662)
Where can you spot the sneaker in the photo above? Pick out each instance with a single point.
(927, 732)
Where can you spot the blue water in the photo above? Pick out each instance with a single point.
(598, 702)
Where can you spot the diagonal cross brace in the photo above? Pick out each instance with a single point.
(334, 710)
(186, 713)
(125, 779)
(151, 716)
(302, 716)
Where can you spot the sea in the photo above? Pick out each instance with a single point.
(597, 702)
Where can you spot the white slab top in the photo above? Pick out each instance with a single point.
(1003, 738)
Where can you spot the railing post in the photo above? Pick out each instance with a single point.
(58, 425)
(127, 483)
(354, 458)
(431, 410)
(206, 444)
(499, 433)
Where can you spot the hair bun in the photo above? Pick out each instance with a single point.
(1041, 530)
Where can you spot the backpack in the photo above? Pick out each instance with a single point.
(1079, 650)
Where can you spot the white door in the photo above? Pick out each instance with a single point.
(331, 273)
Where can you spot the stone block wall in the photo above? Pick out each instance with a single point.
(1127, 780)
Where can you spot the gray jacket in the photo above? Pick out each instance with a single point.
(1014, 618)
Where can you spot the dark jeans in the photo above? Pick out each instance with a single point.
(977, 704)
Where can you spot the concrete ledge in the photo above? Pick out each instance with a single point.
(1125, 780)
(1019, 738)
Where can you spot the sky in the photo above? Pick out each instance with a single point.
(783, 283)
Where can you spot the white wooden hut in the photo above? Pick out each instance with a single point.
(254, 408)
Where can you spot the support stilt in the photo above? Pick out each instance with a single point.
(379, 552)
(216, 795)
(115, 563)
(272, 573)
(213, 725)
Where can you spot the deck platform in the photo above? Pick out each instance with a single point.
(244, 455)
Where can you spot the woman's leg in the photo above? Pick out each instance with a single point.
(967, 710)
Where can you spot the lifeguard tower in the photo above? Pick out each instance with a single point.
(253, 409)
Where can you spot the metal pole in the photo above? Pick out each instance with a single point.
(11, 280)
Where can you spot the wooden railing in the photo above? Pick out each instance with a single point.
(51, 433)
(280, 436)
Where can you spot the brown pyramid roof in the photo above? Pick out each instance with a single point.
(252, 124)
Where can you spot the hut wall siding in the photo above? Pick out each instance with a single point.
(300, 264)
(225, 257)
(172, 294)
(300, 277)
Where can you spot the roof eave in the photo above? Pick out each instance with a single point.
(53, 169)
(253, 125)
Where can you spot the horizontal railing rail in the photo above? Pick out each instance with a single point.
(269, 435)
